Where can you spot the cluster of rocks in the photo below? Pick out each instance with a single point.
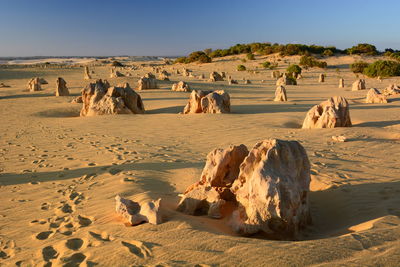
(100, 98)
(215, 76)
(34, 84)
(375, 97)
(269, 186)
(359, 84)
(392, 89)
(331, 113)
(115, 73)
(147, 82)
(181, 87)
(208, 102)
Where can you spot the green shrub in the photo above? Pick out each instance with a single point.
(359, 49)
(241, 68)
(294, 69)
(243, 60)
(204, 59)
(198, 56)
(328, 53)
(292, 80)
(309, 61)
(250, 56)
(358, 67)
(181, 60)
(116, 64)
(383, 68)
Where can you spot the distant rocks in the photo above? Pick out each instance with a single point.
(86, 73)
(61, 89)
(321, 78)
(359, 84)
(341, 83)
(3, 85)
(181, 87)
(147, 82)
(101, 99)
(331, 113)
(375, 97)
(115, 74)
(34, 84)
(208, 102)
(391, 90)
(215, 77)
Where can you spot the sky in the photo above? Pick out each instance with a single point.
(178, 27)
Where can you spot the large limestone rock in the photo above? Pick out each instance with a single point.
(375, 97)
(341, 83)
(272, 190)
(146, 83)
(280, 94)
(321, 78)
(62, 89)
(209, 195)
(215, 77)
(181, 87)
(134, 213)
(391, 90)
(208, 102)
(101, 99)
(358, 85)
(34, 84)
(331, 113)
(86, 74)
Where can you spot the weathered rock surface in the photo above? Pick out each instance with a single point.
(101, 99)
(341, 83)
(115, 74)
(280, 94)
(391, 90)
(208, 102)
(163, 77)
(209, 194)
(134, 213)
(86, 74)
(43, 81)
(275, 74)
(331, 113)
(62, 89)
(375, 97)
(34, 84)
(272, 190)
(232, 81)
(77, 100)
(358, 85)
(247, 82)
(181, 87)
(215, 77)
(145, 83)
(3, 85)
(321, 78)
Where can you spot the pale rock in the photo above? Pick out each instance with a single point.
(134, 213)
(62, 89)
(331, 113)
(272, 190)
(280, 94)
(375, 97)
(181, 87)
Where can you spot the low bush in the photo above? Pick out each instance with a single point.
(383, 68)
(241, 68)
(358, 67)
(359, 49)
(294, 69)
(250, 56)
(309, 61)
(198, 56)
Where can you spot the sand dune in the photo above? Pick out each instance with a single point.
(59, 173)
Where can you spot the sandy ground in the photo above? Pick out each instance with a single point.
(59, 173)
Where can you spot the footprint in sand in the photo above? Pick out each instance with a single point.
(45, 206)
(44, 235)
(49, 253)
(137, 248)
(84, 221)
(64, 208)
(7, 248)
(73, 260)
(75, 243)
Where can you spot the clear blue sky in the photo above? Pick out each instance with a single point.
(177, 27)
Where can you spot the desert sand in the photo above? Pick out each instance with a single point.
(60, 173)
